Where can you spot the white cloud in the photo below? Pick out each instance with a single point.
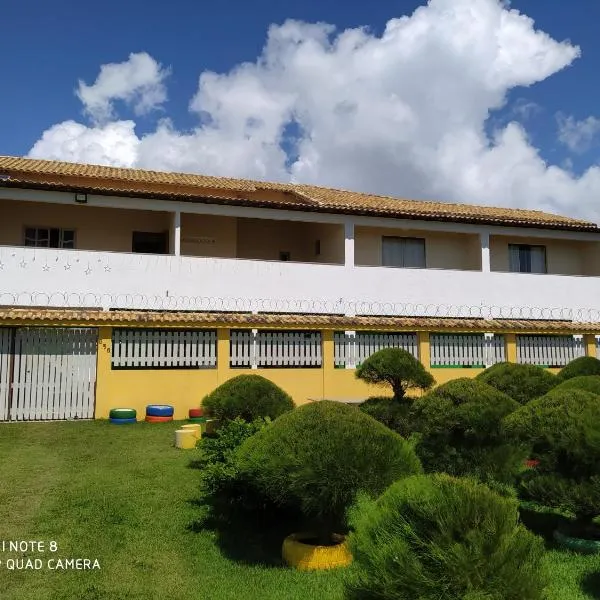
(138, 81)
(577, 135)
(402, 114)
(525, 109)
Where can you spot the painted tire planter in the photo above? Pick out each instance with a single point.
(151, 419)
(197, 420)
(122, 413)
(304, 556)
(122, 421)
(159, 410)
(194, 413)
(185, 439)
(580, 545)
(195, 427)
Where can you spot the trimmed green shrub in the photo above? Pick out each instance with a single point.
(521, 382)
(461, 432)
(319, 456)
(249, 397)
(393, 414)
(584, 365)
(397, 368)
(587, 383)
(563, 429)
(434, 536)
(219, 475)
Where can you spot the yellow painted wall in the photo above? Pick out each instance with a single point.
(591, 262)
(563, 257)
(442, 250)
(136, 388)
(184, 389)
(208, 235)
(264, 239)
(95, 228)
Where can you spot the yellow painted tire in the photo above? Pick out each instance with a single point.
(307, 557)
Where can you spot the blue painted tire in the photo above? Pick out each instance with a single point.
(123, 421)
(159, 410)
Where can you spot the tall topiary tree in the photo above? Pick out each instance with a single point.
(461, 431)
(563, 429)
(584, 365)
(521, 382)
(319, 456)
(433, 536)
(397, 368)
(249, 397)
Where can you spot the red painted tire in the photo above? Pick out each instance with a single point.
(150, 419)
(196, 412)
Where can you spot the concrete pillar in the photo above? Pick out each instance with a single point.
(511, 347)
(484, 238)
(223, 354)
(424, 349)
(590, 344)
(349, 244)
(104, 401)
(328, 364)
(175, 234)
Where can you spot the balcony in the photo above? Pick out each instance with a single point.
(110, 280)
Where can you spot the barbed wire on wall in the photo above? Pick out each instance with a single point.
(341, 306)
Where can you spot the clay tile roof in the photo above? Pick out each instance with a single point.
(48, 174)
(96, 317)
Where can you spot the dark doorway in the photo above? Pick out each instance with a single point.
(148, 242)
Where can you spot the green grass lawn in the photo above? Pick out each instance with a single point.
(125, 496)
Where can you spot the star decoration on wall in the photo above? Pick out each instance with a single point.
(67, 267)
(88, 271)
(23, 264)
(107, 268)
(45, 268)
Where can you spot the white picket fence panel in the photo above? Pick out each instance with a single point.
(53, 374)
(466, 350)
(352, 348)
(549, 350)
(293, 349)
(163, 348)
(6, 337)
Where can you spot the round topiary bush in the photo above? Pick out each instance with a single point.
(249, 397)
(319, 456)
(584, 365)
(393, 414)
(461, 431)
(397, 368)
(587, 383)
(434, 536)
(521, 382)
(563, 429)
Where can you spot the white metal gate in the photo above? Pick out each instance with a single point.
(47, 373)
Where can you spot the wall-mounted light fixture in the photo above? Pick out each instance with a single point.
(81, 198)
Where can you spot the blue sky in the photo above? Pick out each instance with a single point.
(48, 47)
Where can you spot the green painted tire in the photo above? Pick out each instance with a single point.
(122, 413)
(580, 545)
(197, 420)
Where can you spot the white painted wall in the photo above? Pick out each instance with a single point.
(46, 277)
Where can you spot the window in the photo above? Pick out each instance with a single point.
(403, 252)
(524, 258)
(49, 237)
(146, 242)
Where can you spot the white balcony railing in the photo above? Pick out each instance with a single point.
(76, 278)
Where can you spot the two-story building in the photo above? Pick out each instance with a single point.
(122, 287)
